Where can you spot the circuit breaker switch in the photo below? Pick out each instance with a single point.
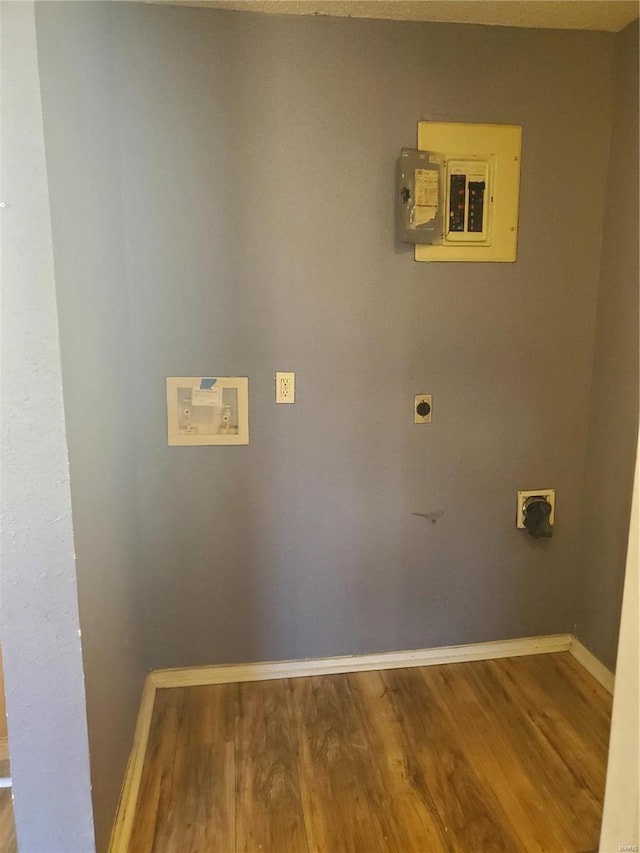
(476, 206)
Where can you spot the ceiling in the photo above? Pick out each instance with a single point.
(609, 15)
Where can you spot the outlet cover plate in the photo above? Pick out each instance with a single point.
(548, 494)
(422, 419)
(285, 387)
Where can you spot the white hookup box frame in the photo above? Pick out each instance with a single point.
(207, 410)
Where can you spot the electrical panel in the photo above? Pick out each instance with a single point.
(458, 192)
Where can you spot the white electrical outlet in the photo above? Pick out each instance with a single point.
(285, 387)
(548, 494)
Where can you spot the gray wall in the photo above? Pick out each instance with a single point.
(613, 411)
(39, 613)
(86, 207)
(258, 158)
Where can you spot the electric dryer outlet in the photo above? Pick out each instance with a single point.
(548, 494)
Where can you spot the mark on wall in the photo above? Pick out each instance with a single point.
(430, 516)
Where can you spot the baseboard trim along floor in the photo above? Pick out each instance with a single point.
(123, 823)
(592, 665)
(235, 673)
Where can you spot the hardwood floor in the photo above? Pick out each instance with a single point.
(8, 843)
(482, 757)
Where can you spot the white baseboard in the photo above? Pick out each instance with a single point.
(591, 663)
(125, 813)
(233, 673)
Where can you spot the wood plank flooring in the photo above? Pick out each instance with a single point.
(8, 843)
(484, 757)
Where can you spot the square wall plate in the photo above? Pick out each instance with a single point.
(547, 494)
(207, 410)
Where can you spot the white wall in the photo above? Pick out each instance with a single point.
(620, 820)
(40, 637)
